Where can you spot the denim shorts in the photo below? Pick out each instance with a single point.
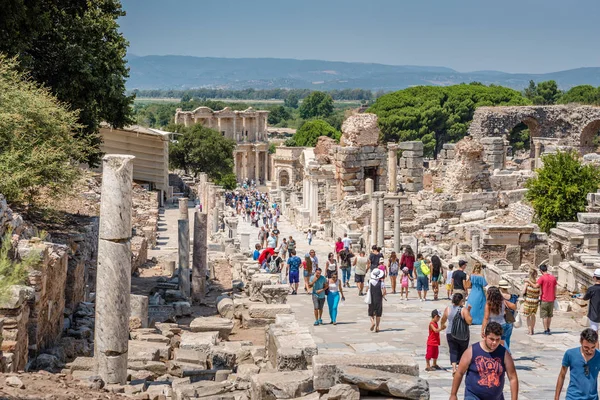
(422, 283)
(393, 273)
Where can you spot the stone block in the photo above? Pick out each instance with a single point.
(206, 389)
(413, 146)
(513, 255)
(588, 218)
(472, 216)
(202, 341)
(275, 294)
(412, 154)
(386, 383)
(327, 368)
(225, 307)
(281, 385)
(148, 351)
(209, 324)
(413, 187)
(342, 392)
(268, 310)
(414, 163)
(191, 356)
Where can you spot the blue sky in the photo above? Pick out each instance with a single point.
(533, 36)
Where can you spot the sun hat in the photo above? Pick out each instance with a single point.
(381, 261)
(377, 274)
(597, 273)
(504, 284)
(405, 269)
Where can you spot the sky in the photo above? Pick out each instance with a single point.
(530, 36)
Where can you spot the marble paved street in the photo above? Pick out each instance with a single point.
(404, 329)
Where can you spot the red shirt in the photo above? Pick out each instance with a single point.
(547, 283)
(339, 246)
(407, 261)
(434, 337)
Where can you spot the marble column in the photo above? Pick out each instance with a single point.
(373, 221)
(305, 193)
(314, 206)
(113, 273)
(183, 208)
(200, 257)
(369, 187)
(183, 239)
(256, 166)
(397, 227)
(380, 220)
(235, 132)
(245, 164)
(392, 167)
(139, 308)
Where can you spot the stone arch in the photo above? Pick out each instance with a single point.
(588, 134)
(532, 124)
(284, 178)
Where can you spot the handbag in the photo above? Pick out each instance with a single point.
(441, 279)
(509, 317)
(460, 328)
(367, 298)
(424, 268)
(518, 320)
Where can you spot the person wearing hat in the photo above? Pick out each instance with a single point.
(377, 294)
(547, 283)
(510, 314)
(459, 279)
(593, 295)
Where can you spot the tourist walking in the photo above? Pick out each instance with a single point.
(449, 285)
(256, 253)
(331, 265)
(408, 260)
(310, 265)
(334, 294)
(547, 283)
(460, 279)
(477, 296)
(360, 270)
(457, 330)
(293, 265)
(347, 241)
(376, 295)
(393, 268)
(374, 257)
(583, 363)
(291, 245)
(486, 363)
(436, 275)
(433, 341)
(593, 295)
(339, 245)
(531, 295)
(495, 309)
(318, 283)
(346, 265)
(510, 313)
(283, 248)
(309, 236)
(406, 277)
(422, 271)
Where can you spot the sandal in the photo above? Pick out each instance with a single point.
(372, 327)
(429, 369)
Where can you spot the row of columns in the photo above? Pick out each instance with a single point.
(378, 220)
(244, 172)
(310, 198)
(257, 126)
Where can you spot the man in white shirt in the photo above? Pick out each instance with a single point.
(347, 241)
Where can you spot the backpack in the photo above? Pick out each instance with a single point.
(424, 268)
(460, 328)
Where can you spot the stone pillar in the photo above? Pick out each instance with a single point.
(373, 221)
(380, 220)
(113, 274)
(244, 241)
(139, 308)
(538, 152)
(314, 206)
(392, 167)
(184, 255)
(183, 208)
(305, 193)
(475, 243)
(256, 167)
(200, 256)
(235, 133)
(245, 164)
(369, 187)
(397, 238)
(171, 268)
(235, 165)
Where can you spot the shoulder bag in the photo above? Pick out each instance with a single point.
(460, 328)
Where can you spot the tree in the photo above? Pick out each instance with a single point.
(547, 93)
(309, 133)
(278, 114)
(38, 147)
(291, 100)
(200, 149)
(559, 191)
(583, 94)
(76, 50)
(437, 115)
(531, 91)
(316, 105)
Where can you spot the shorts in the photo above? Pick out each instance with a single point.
(547, 309)
(359, 278)
(594, 325)
(393, 273)
(435, 278)
(294, 276)
(305, 274)
(448, 286)
(433, 352)
(318, 302)
(422, 283)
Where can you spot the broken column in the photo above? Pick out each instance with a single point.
(411, 164)
(380, 220)
(369, 187)
(139, 309)
(373, 220)
(183, 241)
(200, 259)
(183, 208)
(392, 167)
(113, 275)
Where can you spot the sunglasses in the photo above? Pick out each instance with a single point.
(586, 369)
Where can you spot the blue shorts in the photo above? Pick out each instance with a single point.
(305, 274)
(294, 276)
(422, 283)
(435, 278)
(393, 273)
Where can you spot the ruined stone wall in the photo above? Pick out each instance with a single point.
(468, 172)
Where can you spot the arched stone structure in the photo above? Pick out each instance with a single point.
(283, 179)
(571, 125)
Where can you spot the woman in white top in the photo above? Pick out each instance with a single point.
(331, 265)
(360, 270)
(335, 292)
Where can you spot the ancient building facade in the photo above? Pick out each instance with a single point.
(287, 170)
(247, 128)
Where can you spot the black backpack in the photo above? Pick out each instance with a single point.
(460, 328)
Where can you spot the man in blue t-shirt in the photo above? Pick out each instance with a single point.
(294, 263)
(256, 253)
(318, 283)
(584, 365)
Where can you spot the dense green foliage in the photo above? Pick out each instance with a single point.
(310, 131)
(544, 93)
(437, 115)
(583, 94)
(252, 94)
(316, 105)
(278, 114)
(76, 50)
(13, 272)
(200, 149)
(559, 191)
(38, 147)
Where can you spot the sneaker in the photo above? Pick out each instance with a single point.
(437, 367)
(316, 323)
(321, 322)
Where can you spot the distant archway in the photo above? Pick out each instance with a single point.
(590, 138)
(284, 178)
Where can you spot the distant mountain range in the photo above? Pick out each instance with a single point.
(186, 72)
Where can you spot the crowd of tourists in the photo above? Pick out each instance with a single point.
(473, 301)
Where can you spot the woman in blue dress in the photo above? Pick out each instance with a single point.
(477, 295)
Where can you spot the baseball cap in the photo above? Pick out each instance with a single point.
(461, 263)
(597, 273)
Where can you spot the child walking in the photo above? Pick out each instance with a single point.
(433, 342)
(404, 282)
(449, 284)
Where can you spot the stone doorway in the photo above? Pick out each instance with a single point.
(284, 178)
(371, 172)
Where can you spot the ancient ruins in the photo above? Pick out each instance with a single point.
(167, 303)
